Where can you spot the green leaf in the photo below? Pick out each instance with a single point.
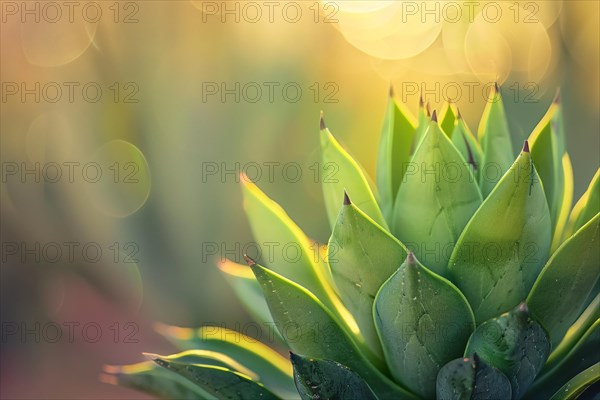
(513, 343)
(423, 119)
(580, 356)
(423, 322)
(558, 296)
(270, 367)
(294, 257)
(397, 137)
(220, 382)
(362, 256)
(436, 200)
(576, 386)
(326, 379)
(547, 149)
(587, 206)
(494, 137)
(208, 357)
(150, 378)
(447, 119)
(566, 203)
(347, 176)
(247, 289)
(575, 333)
(311, 330)
(561, 365)
(467, 145)
(471, 379)
(505, 245)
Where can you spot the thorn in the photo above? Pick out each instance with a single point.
(151, 356)
(410, 258)
(391, 90)
(557, 96)
(347, 201)
(523, 308)
(294, 357)
(421, 102)
(244, 178)
(434, 116)
(496, 87)
(526, 147)
(322, 122)
(458, 115)
(428, 109)
(249, 261)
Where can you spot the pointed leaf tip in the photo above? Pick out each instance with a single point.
(249, 260)
(458, 114)
(322, 125)
(421, 102)
(428, 108)
(496, 87)
(151, 356)
(434, 116)
(347, 201)
(523, 308)
(526, 147)
(410, 258)
(391, 92)
(557, 96)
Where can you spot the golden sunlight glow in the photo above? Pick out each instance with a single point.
(48, 43)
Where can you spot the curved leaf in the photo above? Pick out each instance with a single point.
(242, 281)
(220, 382)
(362, 256)
(494, 137)
(576, 386)
(435, 201)
(212, 358)
(575, 333)
(505, 245)
(326, 379)
(397, 136)
(423, 322)
(154, 380)
(581, 355)
(270, 367)
(559, 294)
(310, 329)
(347, 176)
(471, 379)
(586, 208)
(567, 202)
(295, 257)
(513, 343)
(467, 145)
(547, 149)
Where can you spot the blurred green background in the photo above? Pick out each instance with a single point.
(137, 89)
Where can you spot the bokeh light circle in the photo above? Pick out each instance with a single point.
(49, 138)
(56, 34)
(117, 179)
(503, 42)
(388, 31)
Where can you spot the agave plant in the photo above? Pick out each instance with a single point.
(462, 274)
